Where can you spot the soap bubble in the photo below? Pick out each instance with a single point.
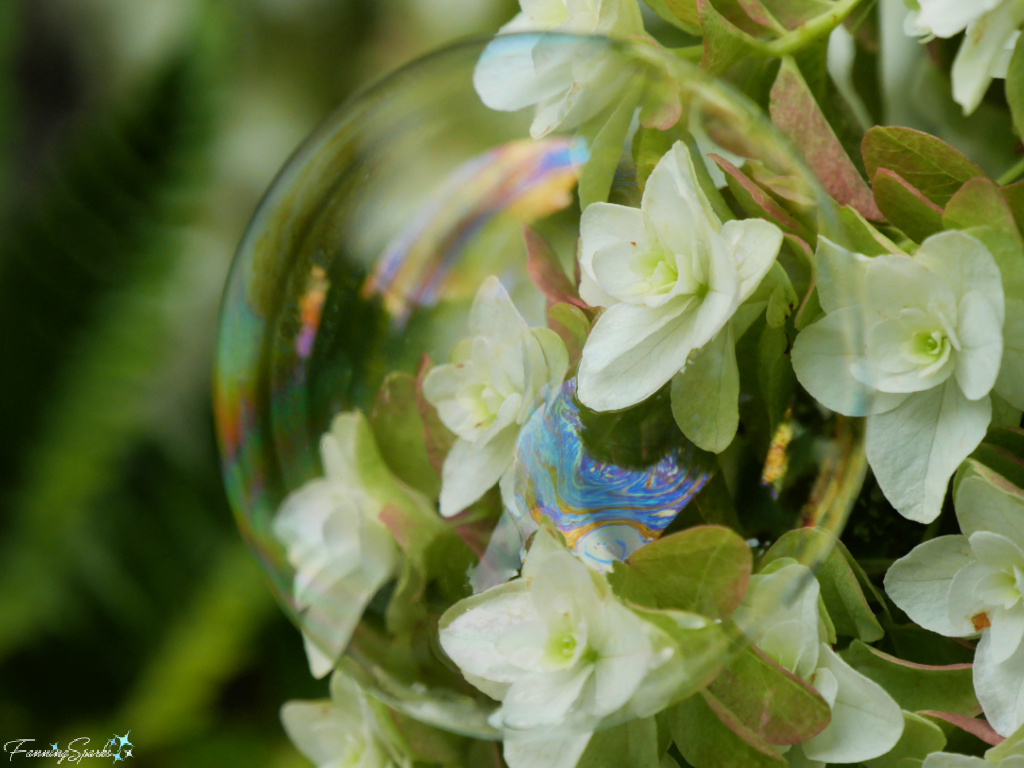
(377, 274)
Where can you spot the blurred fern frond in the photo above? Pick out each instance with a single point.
(83, 271)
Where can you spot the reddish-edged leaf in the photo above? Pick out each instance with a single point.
(754, 200)
(917, 686)
(678, 13)
(795, 112)
(1014, 194)
(905, 207)
(546, 273)
(724, 42)
(772, 702)
(398, 430)
(972, 725)
(710, 736)
(981, 208)
(928, 164)
(437, 439)
(704, 569)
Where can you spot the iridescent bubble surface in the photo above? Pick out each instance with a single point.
(606, 500)
(355, 280)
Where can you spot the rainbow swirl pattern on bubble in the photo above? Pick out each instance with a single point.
(605, 510)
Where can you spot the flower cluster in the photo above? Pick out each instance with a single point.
(612, 528)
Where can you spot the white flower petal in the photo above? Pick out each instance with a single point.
(945, 18)
(866, 721)
(529, 751)
(1000, 687)
(470, 631)
(676, 204)
(981, 53)
(1010, 383)
(996, 551)
(965, 265)
(1006, 632)
(983, 506)
(754, 244)
(471, 469)
(542, 700)
(824, 355)
(508, 79)
(919, 582)
(632, 351)
(951, 760)
(981, 339)
(841, 275)
(915, 448)
(894, 283)
(965, 604)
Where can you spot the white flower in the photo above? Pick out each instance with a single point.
(915, 344)
(866, 722)
(488, 390)
(670, 276)
(992, 29)
(1006, 755)
(560, 652)
(959, 586)
(341, 552)
(569, 80)
(339, 732)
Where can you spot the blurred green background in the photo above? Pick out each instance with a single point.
(136, 137)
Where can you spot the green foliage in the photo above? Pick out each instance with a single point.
(916, 686)
(703, 569)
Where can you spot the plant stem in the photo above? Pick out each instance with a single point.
(807, 33)
(1012, 174)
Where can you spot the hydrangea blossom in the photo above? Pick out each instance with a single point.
(670, 275)
(1009, 754)
(960, 586)
(560, 652)
(488, 390)
(916, 345)
(339, 732)
(569, 82)
(341, 552)
(866, 721)
(992, 28)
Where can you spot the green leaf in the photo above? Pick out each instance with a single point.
(796, 113)
(709, 736)
(703, 570)
(633, 744)
(926, 163)
(920, 738)
(724, 42)
(979, 728)
(679, 13)
(782, 299)
(546, 271)
(793, 13)
(772, 702)
(775, 373)
(572, 327)
(1002, 450)
(840, 589)
(862, 237)
(916, 686)
(755, 201)
(1015, 87)
(398, 431)
(905, 207)
(980, 208)
(1004, 750)
(1014, 194)
(606, 137)
(705, 394)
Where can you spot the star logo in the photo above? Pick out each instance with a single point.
(54, 746)
(113, 741)
(127, 753)
(123, 740)
(117, 756)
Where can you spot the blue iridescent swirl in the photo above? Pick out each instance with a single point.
(605, 510)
